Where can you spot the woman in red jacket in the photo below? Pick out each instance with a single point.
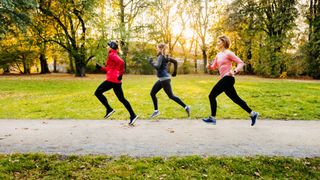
(114, 69)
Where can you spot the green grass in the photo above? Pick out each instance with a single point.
(61, 96)
(39, 166)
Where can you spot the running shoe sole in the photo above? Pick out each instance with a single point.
(208, 122)
(188, 111)
(152, 116)
(254, 119)
(109, 114)
(133, 120)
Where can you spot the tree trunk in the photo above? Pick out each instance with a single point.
(26, 68)
(43, 58)
(71, 63)
(6, 69)
(125, 50)
(273, 63)
(195, 64)
(249, 67)
(204, 55)
(196, 58)
(80, 70)
(124, 45)
(44, 64)
(310, 19)
(80, 65)
(55, 64)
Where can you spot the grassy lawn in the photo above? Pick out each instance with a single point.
(62, 96)
(39, 166)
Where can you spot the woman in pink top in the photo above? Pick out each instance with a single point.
(223, 61)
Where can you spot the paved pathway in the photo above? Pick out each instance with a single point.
(162, 137)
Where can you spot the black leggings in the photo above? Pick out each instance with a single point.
(226, 85)
(167, 89)
(117, 89)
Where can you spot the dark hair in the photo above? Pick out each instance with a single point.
(113, 44)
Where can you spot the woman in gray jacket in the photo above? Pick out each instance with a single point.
(164, 80)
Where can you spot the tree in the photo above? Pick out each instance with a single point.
(18, 52)
(42, 30)
(126, 12)
(264, 30)
(195, 55)
(16, 42)
(277, 19)
(15, 14)
(185, 51)
(313, 45)
(102, 25)
(163, 20)
(71, 18)
(183, 21)
(200, 17)
(242, 24)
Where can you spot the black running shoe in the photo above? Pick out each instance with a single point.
(254, 118)
(109, 113)
(133, 119)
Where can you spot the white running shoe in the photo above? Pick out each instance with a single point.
(155, 114)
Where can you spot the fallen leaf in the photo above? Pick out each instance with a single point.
(257, 174)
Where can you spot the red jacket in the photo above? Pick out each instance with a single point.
(114, 67)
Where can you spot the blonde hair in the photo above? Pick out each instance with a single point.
(226, 41)
(162, 47)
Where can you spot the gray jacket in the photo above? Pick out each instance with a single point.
(161, 65)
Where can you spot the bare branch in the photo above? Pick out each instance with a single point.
(92, 56)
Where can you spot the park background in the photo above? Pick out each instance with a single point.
(48, 51)
(274, 38)
(278, 41)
